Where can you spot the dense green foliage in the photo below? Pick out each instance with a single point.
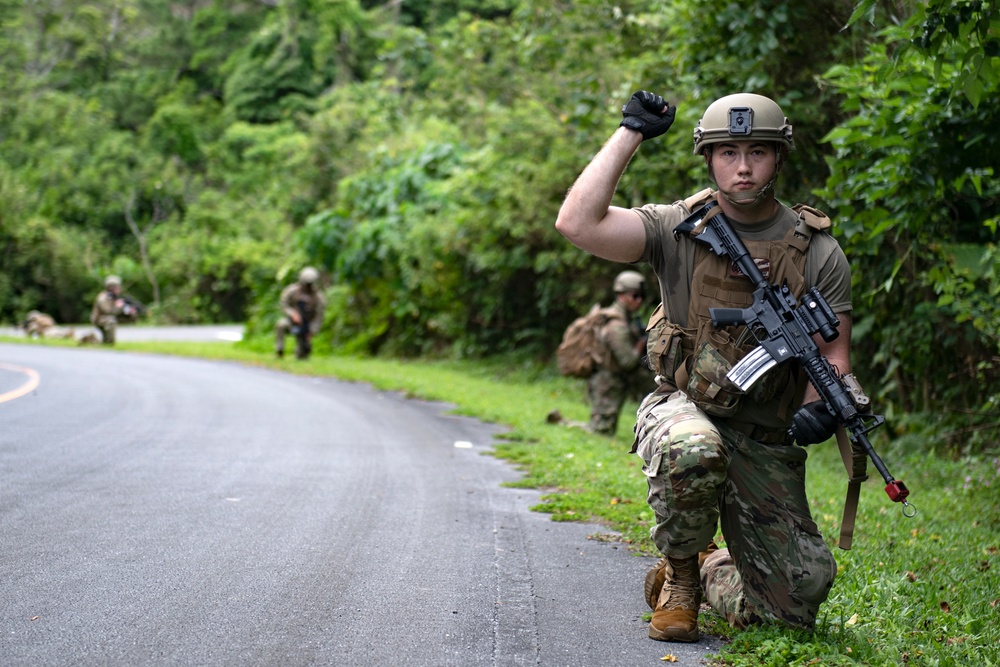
(913, 186)
(418, 152)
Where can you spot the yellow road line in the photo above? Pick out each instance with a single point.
(33, 381)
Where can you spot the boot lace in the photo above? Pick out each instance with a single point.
(682, 584)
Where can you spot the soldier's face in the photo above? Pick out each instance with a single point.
(633, 300)
(743, 166)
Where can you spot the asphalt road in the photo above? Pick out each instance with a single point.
(167, 511)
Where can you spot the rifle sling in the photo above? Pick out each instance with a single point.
(688, 226)
(856, 464)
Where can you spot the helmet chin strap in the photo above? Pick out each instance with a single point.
(744, 200)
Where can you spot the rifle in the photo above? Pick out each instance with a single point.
(785, 332)
(133, 307)
(303, 344)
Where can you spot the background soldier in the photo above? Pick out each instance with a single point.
(300, 302)
(36, 323)
(620, 374)
(108, 305)
(41, 325)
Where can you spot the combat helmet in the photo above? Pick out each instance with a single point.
(112, 281)
(629, 281)
(742, 116)
(308, 275)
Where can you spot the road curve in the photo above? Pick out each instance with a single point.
(166, 511)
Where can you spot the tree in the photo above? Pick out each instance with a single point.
(274, 77)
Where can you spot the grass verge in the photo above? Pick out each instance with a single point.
(921, 591)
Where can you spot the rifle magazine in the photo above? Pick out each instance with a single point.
(751, 368)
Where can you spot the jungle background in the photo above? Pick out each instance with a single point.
(417, 151)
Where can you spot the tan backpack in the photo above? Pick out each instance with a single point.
(581, 349)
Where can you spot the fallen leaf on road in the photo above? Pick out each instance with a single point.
(669, 658)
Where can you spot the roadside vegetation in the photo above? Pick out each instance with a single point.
(920, 591)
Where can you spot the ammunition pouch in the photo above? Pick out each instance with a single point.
(666, 346)
(707, 384)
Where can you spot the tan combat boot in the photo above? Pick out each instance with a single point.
(675, 618)
(654, 578)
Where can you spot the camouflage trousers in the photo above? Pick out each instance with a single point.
(776, 567)
(281, 329)
(108, 327)
(607, 391)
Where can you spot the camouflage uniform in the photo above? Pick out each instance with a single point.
(108, 305)
(738, 469)
(41, 325)
(776, 566)
(314, 304)
(620, 375)
(36, 323)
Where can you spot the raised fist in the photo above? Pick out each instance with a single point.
(647, 114)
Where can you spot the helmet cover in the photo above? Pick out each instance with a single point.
(629, 281)
(742, 116)
(308, 275)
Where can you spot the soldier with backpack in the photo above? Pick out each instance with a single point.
(605, 347)
(623, 343)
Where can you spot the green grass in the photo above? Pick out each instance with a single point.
(920, 591)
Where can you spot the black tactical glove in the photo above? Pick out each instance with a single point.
(645, 114)
(812, 423)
